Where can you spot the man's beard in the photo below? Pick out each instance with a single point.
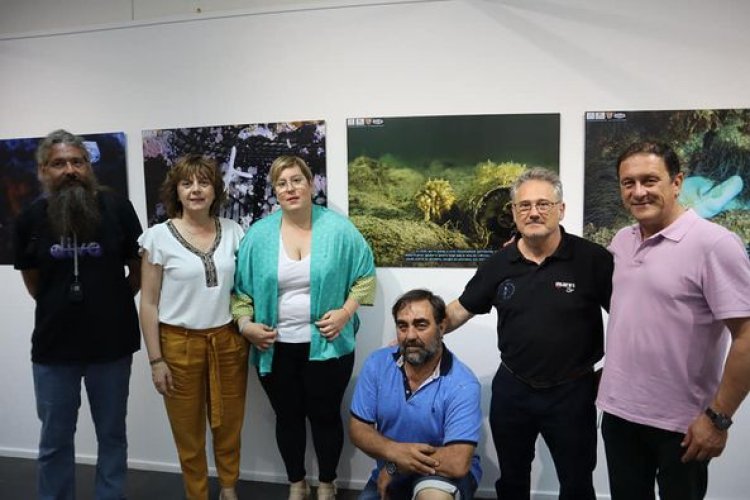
(422, 355)
(73, 208)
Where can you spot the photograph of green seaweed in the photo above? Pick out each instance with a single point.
(433, 191)
(714, 150)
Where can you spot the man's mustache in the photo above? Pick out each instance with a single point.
(413, 343)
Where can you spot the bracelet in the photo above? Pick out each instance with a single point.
(351, 314)
(156, 361)
(242, 324)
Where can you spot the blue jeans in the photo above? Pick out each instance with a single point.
(401, 488)
(58, 397)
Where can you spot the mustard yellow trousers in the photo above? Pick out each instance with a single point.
(209, 372)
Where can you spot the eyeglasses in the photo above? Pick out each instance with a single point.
(542, 206)
(294, 183)
(61, 163)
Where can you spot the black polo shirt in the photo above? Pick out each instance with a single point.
(549, 318)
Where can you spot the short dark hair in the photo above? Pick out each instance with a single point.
(60, 136)
(660, 149)
(185, 168)
(418, 295)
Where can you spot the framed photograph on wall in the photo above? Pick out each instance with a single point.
(19, 185)
(714, 150)
(433, 191)
(244, 154)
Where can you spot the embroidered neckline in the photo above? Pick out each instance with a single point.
(207, 257)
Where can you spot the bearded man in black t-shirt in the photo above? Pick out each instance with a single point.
(72, 246)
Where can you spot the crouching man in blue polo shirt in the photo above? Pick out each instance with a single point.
(416, 410)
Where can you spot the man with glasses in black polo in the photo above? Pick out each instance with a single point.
(549, 288)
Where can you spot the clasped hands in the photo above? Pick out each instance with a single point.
(263, 336)
(410, 458)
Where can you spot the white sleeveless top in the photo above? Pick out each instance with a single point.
(294, 298)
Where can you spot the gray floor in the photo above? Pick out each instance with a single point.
(18, 482)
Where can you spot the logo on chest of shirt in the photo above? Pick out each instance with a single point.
(506, 290)
(67, 248)
(566, 286)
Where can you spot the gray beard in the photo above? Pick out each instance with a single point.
(421, 357)
(73, 209)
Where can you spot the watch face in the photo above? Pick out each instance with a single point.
(720, 421)
(391, 468)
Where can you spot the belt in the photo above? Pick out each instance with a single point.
(537, 384)
(216, 407)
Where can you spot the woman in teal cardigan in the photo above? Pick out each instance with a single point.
(302, 272)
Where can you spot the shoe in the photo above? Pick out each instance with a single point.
(326, 491)
(228, 494)
(299, 490)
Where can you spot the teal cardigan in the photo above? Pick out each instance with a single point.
(340, 258)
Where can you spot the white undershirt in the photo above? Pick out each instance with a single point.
(294, 298)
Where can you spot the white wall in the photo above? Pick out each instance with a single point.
(425, 58)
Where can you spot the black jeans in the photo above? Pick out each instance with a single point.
(564, 415)
(298, 389)
(638, 455)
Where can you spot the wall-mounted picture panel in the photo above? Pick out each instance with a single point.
(433, 191)
(714, 150)
(245, 154)
(19, 185)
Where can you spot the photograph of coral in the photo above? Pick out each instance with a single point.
(433, 191)
(245, 154)
(714, 150)
(19, 185)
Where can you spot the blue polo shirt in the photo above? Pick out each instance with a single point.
(445, 410)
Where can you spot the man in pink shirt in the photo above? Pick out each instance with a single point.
(680, 299)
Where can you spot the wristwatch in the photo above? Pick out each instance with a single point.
(720, 420)
(391, 468)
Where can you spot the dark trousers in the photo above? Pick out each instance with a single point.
(564, 415)
(638, 455)
(298, 389)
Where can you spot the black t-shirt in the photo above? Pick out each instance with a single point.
(103, 324)
(549, 319)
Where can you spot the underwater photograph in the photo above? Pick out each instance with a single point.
(244, 154)
(433, 191)
(19, 185)
(714, 150)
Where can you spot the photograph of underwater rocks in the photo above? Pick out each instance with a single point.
(433, 191)
(244, 154)
(714, 150)
(19, 185)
